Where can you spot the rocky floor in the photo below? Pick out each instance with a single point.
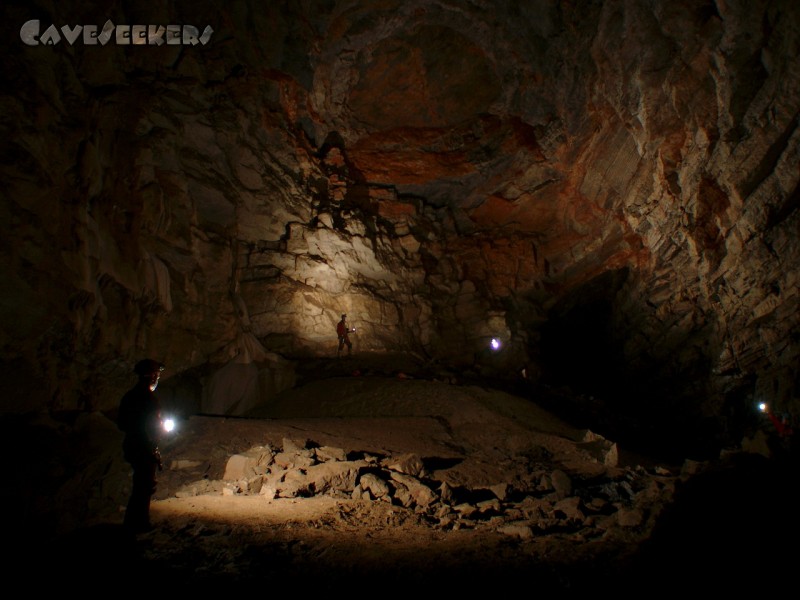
(368, 483)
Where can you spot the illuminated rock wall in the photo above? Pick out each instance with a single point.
(611, 188)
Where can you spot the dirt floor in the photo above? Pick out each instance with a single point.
(469, 436)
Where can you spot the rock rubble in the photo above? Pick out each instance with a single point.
(550, 501)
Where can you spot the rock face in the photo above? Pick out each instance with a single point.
(611, 190)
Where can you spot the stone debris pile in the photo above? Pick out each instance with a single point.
(549, 500)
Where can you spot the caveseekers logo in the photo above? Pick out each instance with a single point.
(123, 35)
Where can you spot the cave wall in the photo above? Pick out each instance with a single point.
(443, 172)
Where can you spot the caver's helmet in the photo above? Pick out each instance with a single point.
(148, 366)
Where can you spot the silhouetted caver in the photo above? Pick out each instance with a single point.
(342, 332)
(140, 419)
(783, 441)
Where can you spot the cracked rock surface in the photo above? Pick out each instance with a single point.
(610, 188)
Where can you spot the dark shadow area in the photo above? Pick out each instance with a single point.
(731, 529)
(383, 364)
(649, 399)
(579, 346)
(100, 558)
(106, 560)
(437, 463)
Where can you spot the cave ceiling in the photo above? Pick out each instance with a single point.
(610, 188)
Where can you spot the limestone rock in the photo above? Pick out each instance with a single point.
(295, 459)
(614, 194)
(409, 464)
(411, 491)
(338, 476)
(253, 462)
(561, 483)
(326, 453)
(374, 485)
(603, 450)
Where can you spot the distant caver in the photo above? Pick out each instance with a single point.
(342, 332)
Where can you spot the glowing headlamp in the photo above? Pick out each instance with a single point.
(495, 344)
(168, 424)
(762, 407)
